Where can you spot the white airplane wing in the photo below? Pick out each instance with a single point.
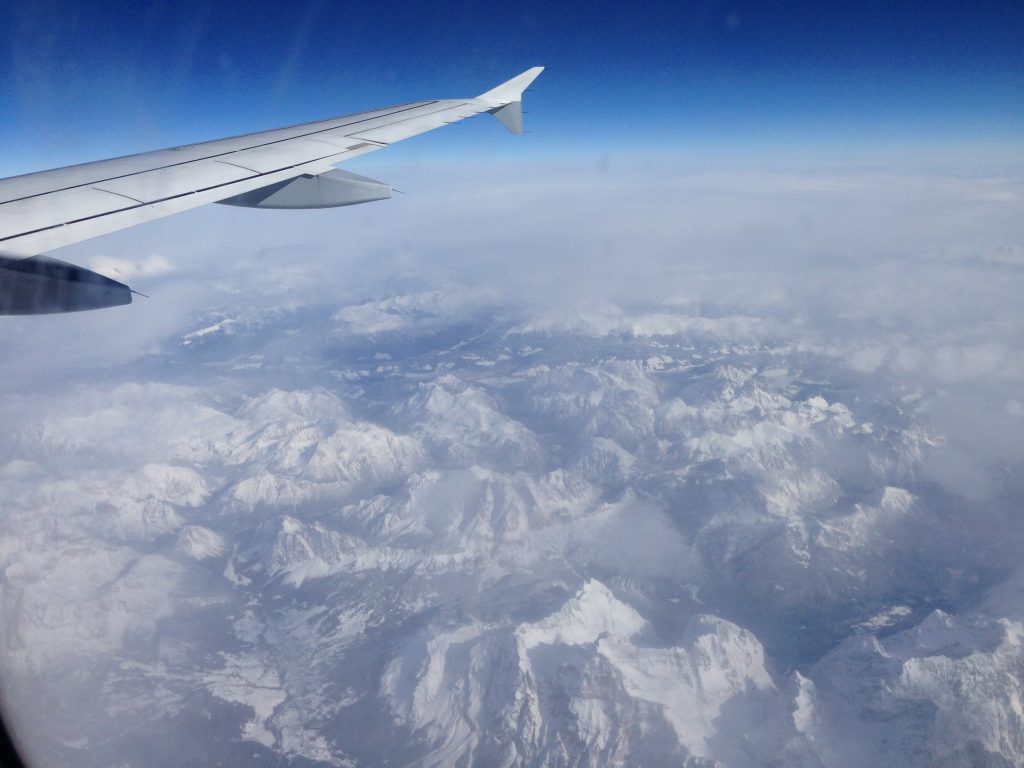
(285, 168)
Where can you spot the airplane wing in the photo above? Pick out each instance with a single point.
(284, 168)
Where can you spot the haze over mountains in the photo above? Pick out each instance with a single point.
(660, 489)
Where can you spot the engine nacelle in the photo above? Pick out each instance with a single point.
(41, 285)
(328, 190)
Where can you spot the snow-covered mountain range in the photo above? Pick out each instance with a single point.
(424, 532)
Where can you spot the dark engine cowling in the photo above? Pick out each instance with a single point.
(41, 285)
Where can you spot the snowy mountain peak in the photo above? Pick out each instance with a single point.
(200, 543)
(594, 613)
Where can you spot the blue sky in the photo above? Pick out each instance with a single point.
(81, 80)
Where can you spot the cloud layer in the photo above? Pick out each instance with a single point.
(594, 465)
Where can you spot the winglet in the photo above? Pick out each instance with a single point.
(506, 100)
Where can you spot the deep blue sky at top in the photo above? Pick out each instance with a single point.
(83, 80)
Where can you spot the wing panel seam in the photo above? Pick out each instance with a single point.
(118, 194)
(356, 134)
(160, 200)
(211, 157)
(239, 166)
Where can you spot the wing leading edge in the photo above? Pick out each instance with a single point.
(285, 168)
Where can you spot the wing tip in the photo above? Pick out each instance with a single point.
(511, 90)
